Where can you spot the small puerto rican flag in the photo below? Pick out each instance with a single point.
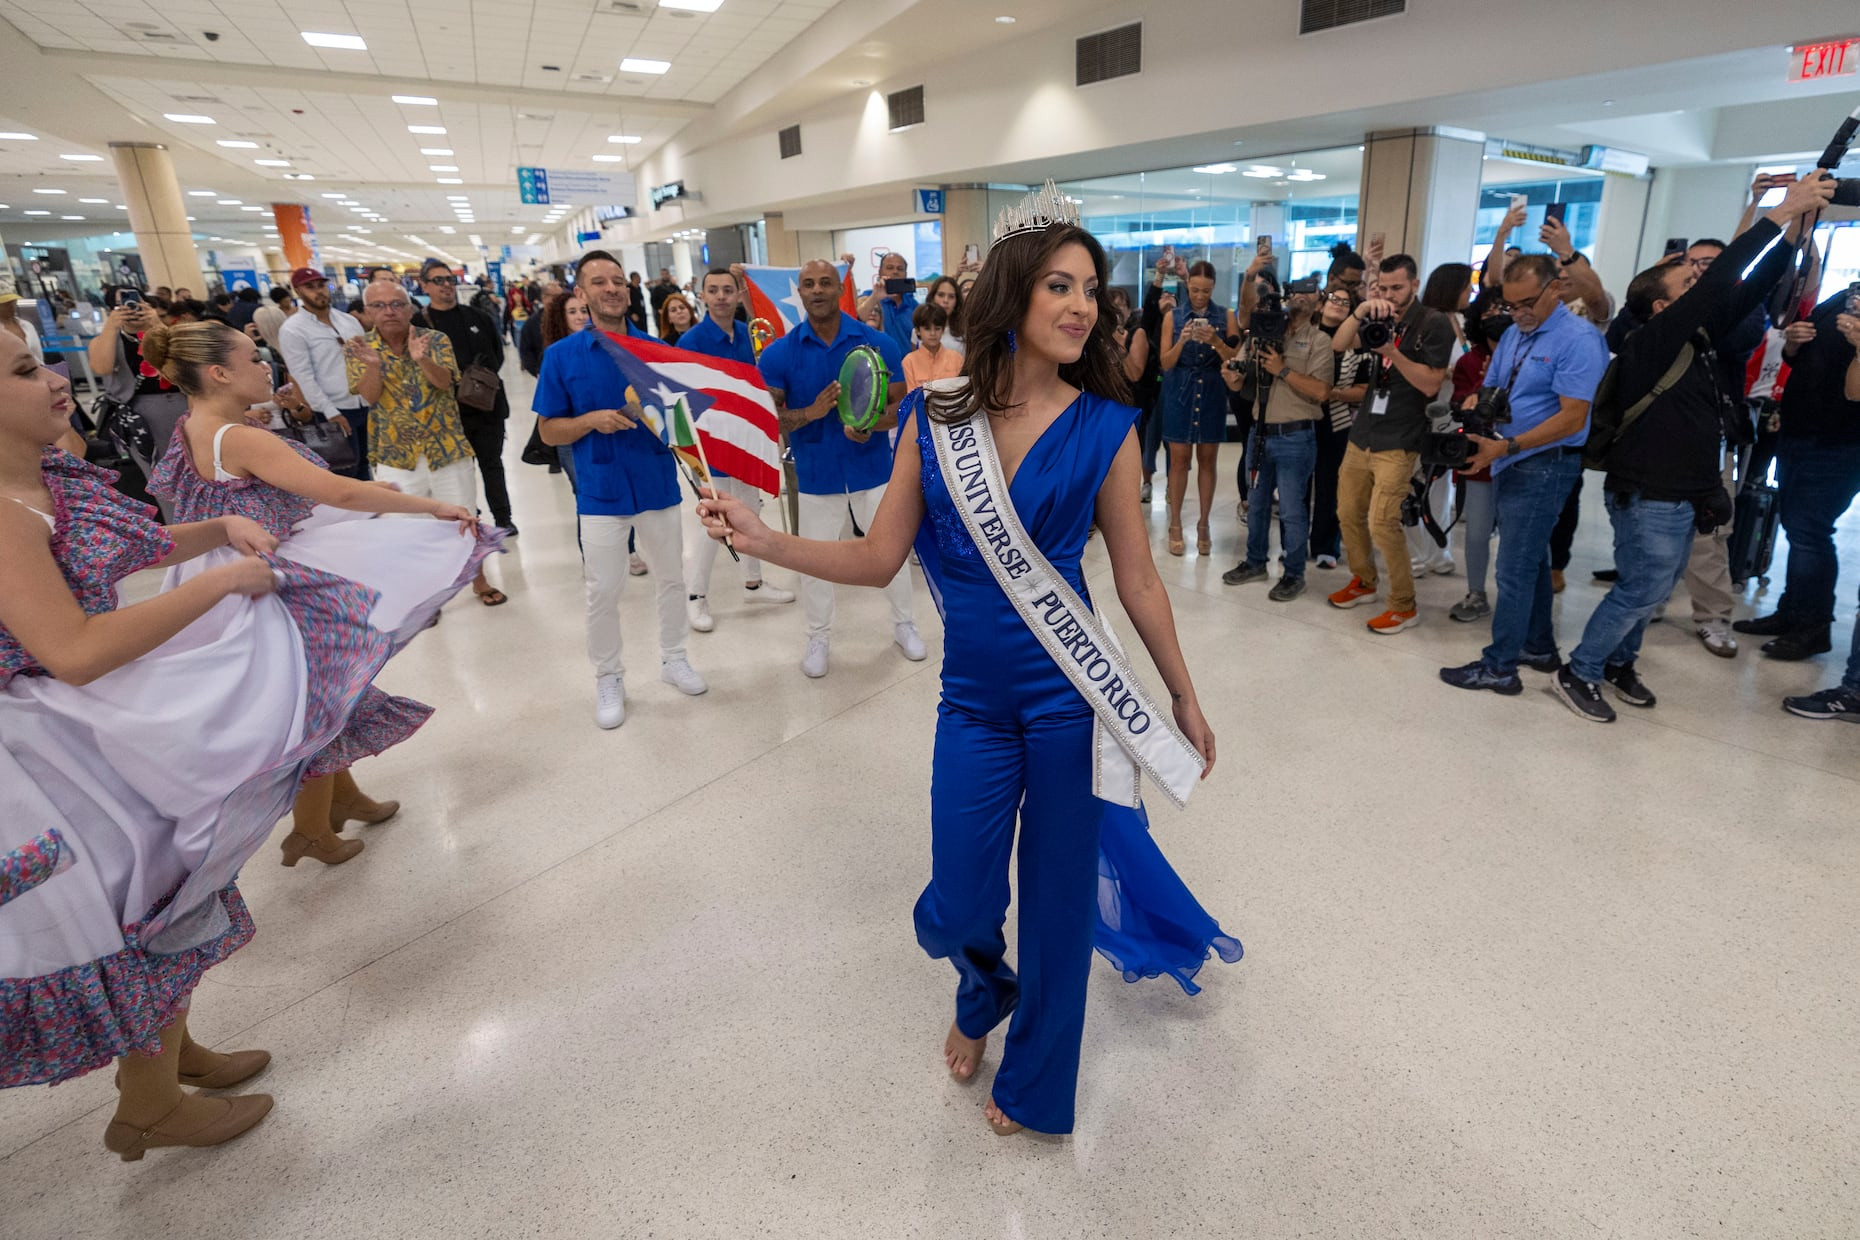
(734, 412)
(775, 298)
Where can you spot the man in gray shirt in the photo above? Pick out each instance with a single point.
(311, 343)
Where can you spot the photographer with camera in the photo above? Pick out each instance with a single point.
(1658, 434)
(1413, 345)
(1300, 360)
(1528, 424)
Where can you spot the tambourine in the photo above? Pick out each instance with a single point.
(865, 383)
(761, 331)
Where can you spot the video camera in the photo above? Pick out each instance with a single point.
(1452, 449)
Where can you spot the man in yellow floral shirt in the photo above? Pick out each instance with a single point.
(408, 375)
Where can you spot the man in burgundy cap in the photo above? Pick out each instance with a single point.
(311, 344)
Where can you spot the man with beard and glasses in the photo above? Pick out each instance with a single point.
(311, 345)
(475, 339)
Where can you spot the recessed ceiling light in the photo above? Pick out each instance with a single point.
(188, 118)
(203, 193)
(517, 229)
(442, 167)
(432, 129)
(532, 239)
(330, 195)
(83, 159)
(48, 191)
(608, 159)
(239, 143)
(94, 202)
(1214, 169)
(628, 138)
(190, 219)
(272, 163)
(446, 228)
(418, 101)
(1004, 20)
(435, 150)
(70, 217)
(230, 202)
(251, 208)
(19, 137)
(344, 42)
(695, 6)
(633, 64)
(38, 213)
(451, 180)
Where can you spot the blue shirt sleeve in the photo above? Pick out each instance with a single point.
(774, 365)
(1579, 371)
(552, 399)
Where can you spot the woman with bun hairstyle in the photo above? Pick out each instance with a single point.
(218, 464)
(145, 752)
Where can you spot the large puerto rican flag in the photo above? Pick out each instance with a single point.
(775, 298)
(735, 413)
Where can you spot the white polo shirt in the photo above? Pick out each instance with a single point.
(312, 352)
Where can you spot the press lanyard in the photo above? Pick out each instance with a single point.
(1385, 366)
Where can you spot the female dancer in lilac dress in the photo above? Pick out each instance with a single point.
(145, 751)
(217, 463)
(1015, 729)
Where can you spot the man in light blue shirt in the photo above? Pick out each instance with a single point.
(1548, 363)
(896, 307)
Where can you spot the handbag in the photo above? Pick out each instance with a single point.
(326, 440)
(478, 387)
(118, 421)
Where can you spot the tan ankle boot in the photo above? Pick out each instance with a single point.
(333, 851)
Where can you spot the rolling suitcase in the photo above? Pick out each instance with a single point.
(1753, 534)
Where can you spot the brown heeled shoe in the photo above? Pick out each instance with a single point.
(341, 813)
(1203, 545)
(297, 846)
(1176, 546)
(240, 1115)
(240, 1067)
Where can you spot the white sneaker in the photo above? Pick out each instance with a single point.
(912, 645)
(1716, 634)
(680, 675)
(697, 611)
(635, 567)
(609, 700)
(767, 593)
(814, 662)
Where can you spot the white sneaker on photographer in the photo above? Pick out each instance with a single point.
(912, 645)
(697, 612)
(814, 662)
(680, 675)
(765, 592)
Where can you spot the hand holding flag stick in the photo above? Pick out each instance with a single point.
(688, 447)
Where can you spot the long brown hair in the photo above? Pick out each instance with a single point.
(555, 318)
(955, 315)
(999, 304)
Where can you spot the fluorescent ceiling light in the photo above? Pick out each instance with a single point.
(1004, 20)
(435, 150)
(272, 163)
(628, 138)
(475, 239)
(432, 129)
(609, 159)
(239, 144)
(1263, 171)
(517, 229)
(456, 197)
(442, 167)
(446, 228)
(48, 191)
(696, 6)
(634, 64)
(532, 239)
(345, 42)
(1215, 169)
(1304, 174)
(251, 208)
(95, 202)
(451, 180)
(38, 213)
(188, 118)
(419, 101)
(230, 202)
(203, 193)
(70, 217)
(335, 195)
(83, 159)
(19, 137)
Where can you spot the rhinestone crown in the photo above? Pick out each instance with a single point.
(1039, 210)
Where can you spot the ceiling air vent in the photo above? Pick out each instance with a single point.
(1316, 15)
(1110, 54)
(907, 107)
(791, 142)
(627, 7)
(594, 75)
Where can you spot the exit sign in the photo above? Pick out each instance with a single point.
(1840, 58)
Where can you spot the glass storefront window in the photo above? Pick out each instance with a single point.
(1216, 212)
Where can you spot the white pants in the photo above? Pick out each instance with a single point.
(456, 483)
(603, 570)
(702, 554)
(824, 517)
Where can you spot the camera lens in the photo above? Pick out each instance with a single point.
(1375, 333)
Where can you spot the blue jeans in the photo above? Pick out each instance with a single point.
(1528, 497)
(1653, 541)
(1286, 463)
(1818, 481)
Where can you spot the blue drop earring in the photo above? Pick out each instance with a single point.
(1013, 344)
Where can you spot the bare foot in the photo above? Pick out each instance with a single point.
(963, 1055)
(998, 1120)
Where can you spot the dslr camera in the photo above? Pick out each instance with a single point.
(1375, 333)
(1452, 449)
(1267, 325)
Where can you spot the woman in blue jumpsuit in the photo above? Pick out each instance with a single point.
(1014, 737)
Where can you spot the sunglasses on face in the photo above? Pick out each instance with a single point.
(442, 279)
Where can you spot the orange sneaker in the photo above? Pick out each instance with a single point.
(1394, 622)
(1352, 594)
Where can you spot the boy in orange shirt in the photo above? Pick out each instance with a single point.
(930, 360)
